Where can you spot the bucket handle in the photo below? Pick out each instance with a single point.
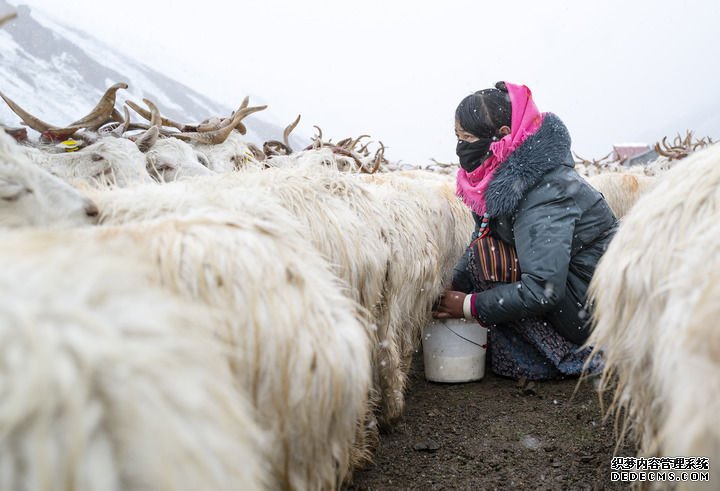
(483, 346)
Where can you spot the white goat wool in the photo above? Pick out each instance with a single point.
(108, 382)
(298, 348)
(171, 159)
(392, 240)
(621, 190)
(656, 309)
(110, 160)
(232, 154)
(30, 196)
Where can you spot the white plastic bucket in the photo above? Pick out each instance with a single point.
(454, 350)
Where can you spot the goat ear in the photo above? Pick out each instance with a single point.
(147, 139)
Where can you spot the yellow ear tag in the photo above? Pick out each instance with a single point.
(69, 145)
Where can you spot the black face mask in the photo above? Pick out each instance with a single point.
(472, 155)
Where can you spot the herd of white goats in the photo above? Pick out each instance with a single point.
(217, 319)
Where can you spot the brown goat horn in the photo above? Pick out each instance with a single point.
(665, 152)
(244, 113)
(155, 119)
(379, 157)
(116, 116)
(347, 153)
(257, 153)
(319, 130)
(145, 114)
(7, 18)
(220, 135)
(214, 124)
(345, 143)
(364, 149)
(36, 123)
(289, 129)
(122, 127)
(357, 140)
(687, 142)
(102, 111)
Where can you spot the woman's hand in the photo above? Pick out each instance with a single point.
(450, 305)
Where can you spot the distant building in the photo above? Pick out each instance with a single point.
(633, 153)
(624, 151)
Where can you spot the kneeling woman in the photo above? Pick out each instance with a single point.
(541, 230)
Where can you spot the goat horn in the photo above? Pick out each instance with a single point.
(341, 151)
(379, 157)
(345, 143)
(582, 160)
(357, 140)
(7, 18)
(214, 125)
(289, 129)
(122, 127)
(220, 135)
(102, 111)
(244, 113)
(145, 114)
(155, 119)
(687, 142)
(257, 153)
(37, 124)
(364, 149)
(319, 137)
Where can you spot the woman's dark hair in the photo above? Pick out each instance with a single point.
(485, 111)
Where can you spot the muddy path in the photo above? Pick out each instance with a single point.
(493, 434)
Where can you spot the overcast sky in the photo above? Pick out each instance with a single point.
(614, 71)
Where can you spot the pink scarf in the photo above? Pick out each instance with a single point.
(525, 120)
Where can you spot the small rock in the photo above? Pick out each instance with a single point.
(549, 448)
(530, 442)
(556, 464)
(426, 446)
(586, 458)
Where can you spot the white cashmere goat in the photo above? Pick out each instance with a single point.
(110, 160)
(232, 154)
(656, 309)
(321, 157)
(621, 190)
(392, 244)
(299, 350)
(431, 228)
(170, 159)
(110, 383)
(31, 196)
(384, 254)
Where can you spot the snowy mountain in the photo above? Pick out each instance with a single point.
(58, 74)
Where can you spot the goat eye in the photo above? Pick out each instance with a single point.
(202, 159)
(96, 157)
(13, 193)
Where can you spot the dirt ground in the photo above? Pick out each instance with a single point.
(493, 434)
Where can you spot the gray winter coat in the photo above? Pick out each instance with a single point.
(559, 225)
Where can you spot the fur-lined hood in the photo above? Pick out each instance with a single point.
(542, 152)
